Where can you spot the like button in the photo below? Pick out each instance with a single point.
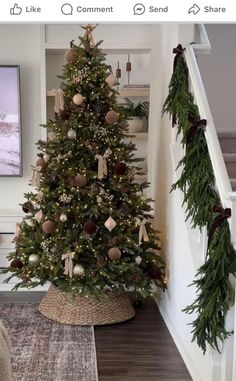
(16, 10)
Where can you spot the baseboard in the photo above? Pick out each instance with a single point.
(179, 344)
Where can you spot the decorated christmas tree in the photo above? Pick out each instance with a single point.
(87, 227)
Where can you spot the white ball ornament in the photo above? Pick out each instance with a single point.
(46, 158)
(33, 259)
(63, 217)
(78, 99)
(79, 270)
(138, 260)
(71, 134)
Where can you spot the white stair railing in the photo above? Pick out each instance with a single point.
(227, 361)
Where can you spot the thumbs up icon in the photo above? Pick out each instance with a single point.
(16, 10)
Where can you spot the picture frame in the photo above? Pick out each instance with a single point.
(10, 122)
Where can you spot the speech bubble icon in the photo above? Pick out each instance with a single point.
(67, 9)
(139, 9)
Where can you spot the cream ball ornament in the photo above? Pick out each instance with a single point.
(72, 134)
(63, 217)
(114, 254)
(33, 259)
(78, 99)
(79, 270)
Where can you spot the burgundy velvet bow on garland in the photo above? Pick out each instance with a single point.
(196, 124)
(222, 215)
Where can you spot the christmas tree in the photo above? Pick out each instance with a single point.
(87, 226)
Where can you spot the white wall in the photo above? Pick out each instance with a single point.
(20, 44)
(218, 70)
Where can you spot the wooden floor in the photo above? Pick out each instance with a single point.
(140, 349)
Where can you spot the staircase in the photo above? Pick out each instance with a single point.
(228, 145)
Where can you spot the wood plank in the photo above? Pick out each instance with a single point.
(140, 349)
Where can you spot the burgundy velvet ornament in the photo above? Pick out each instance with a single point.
(155, 272)
(27, 207)
(112, 117)
(49, 227)
(80, 181)
(41, 163)
(120, 169)
(16, 264)
(65, 115)
(70, 56)
(90, 227)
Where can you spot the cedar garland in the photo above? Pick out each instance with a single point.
(215, 293)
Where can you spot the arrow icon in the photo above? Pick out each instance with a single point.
(194, 9)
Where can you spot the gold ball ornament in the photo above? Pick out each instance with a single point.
(79, 270)
(33, 259)
(112, 117)
(49, 227)
(80, 181)
(78, 99)
(111, 80)
(114, 254)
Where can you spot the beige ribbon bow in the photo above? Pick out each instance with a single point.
(142, 230)
(59, 101)
(35, 181)
(102, 164)
(68, 263)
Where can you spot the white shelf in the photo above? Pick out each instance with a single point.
(137, 135)
(135, 93)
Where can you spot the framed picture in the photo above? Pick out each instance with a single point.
(10, 121)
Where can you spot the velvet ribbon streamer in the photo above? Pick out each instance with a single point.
(68, 263)
(223, 214)
(196, 123)
(59, 101)
(35, 181)
(142, 230)
(102, 164)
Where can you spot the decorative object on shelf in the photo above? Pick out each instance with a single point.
(114, 254)
(59, 101)
(135, 115)
(128, 68)
(212, 281)
(118, 74)
(78, 99)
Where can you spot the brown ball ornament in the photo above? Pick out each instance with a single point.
(49, 227)
(112, 117)
(80, 181)
(114, 254)
(78, 99)
(70, 56)
(64, 115)
(155, 272)
(16, 264)
(41, 163)
(27, 207)
(120, 169)
(90, 227)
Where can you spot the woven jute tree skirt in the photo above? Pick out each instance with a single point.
(63, 308)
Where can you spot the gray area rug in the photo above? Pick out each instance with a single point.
(43, 350)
